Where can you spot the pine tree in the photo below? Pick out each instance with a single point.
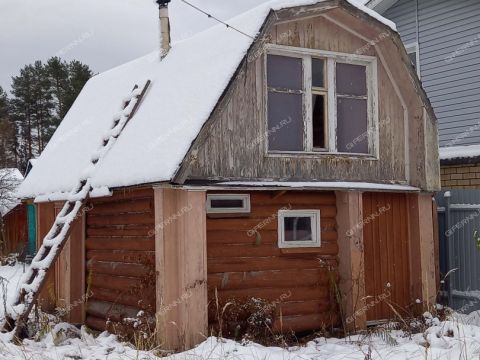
(42, 95)
(8, 156)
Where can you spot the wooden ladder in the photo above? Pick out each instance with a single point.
(16, 317)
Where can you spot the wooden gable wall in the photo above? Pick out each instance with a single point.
(234, 147)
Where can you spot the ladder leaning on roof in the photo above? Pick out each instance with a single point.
(18, 311)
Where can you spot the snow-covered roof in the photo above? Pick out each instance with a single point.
(10, 179)
(459, 152)
(186, 86)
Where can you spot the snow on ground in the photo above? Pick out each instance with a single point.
(9, 282)
(443, 340)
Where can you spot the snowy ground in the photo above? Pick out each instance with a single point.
(455, 339)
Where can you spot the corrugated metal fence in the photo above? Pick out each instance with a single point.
(459, 229)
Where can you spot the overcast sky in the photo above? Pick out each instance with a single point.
(100, 33)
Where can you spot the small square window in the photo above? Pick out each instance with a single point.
(228, 203)
(298, 228)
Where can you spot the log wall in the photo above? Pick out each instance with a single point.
(120, 256)
(16, 231)
(241, 266)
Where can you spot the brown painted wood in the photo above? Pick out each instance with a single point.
(120, 253)
(242, 265)
(137, 257)
(15, 230)
(120, 243)
(385, 236)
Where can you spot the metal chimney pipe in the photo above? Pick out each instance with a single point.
(164, 28)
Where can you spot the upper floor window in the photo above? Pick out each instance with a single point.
(320, 102)
(413, 54)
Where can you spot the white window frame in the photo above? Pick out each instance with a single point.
(245, 209)
(316, 232)
(414, 48)
(331, 58)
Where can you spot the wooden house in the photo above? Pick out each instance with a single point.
(13, 214)
(296, 144)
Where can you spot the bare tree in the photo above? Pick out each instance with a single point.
(9, 181)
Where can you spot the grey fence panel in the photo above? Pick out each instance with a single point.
(459, 221)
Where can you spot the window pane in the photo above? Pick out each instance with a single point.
(351, 79)
(226, 203)
(318, 73)
(284, 72)
(298, 229)
(352, 135)
(318, 118)
(413, 59)
(285, 122)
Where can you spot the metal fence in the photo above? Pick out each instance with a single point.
(459, 229)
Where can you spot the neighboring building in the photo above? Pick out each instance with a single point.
(13, 222)
(442, 38)
(271, 168)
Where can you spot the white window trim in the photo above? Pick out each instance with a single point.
(316, 233)
(413, 47)
(331, 58)
(243, 210)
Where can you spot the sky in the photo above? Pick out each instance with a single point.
(100, 33)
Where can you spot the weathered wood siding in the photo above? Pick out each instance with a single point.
(241, 267)
(120, 255)
(387, 261)
(15, 231)
(233, 145)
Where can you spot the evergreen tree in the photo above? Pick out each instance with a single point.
(8, 151)
(42, 95)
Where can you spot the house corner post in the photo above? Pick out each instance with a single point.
(181, 267)
(351, 265)
(422, 250)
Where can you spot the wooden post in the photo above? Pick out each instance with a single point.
(422, 249)
(351, 265)
(181, 264)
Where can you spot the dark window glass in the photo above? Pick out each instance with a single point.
(284, 72)
(226, 203)
(351, 79)
(298, 229)
(318, 73)
(413, 59)
(285, 122)
(352, 135)
(319, 121)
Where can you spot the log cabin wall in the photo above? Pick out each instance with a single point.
(15, 231)
(244, 266)
(120, 256)
(233, 143)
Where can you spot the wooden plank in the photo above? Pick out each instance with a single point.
(120, 243)
(250, 223)
(111, 311)
(96, 323)
(121, 207)
(268, 278)
(308, 322)
(120, 230)
(121, 283)
(216, 265)
(253, 250)
(117, 268)
(125, 194)
(140, 301)
(272, 294)
(122, 219)
(125, 256)
(233, 236)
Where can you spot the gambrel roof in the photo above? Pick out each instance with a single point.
(186, 87)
